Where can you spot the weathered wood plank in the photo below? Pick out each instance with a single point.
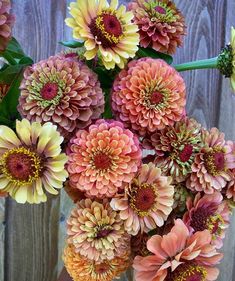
(2, 237)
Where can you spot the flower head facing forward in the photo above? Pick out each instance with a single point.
(31, 160)
(179, 256)
(161, 24)
(211, 170)
(63, 91)
(106, 30)
(176, 147)
(208, 212)
(6, 23)
(148, 201)
(148, 95)
(103, 158)
(82, 269)
(96, 231)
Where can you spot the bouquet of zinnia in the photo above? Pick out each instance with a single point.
(106, 120)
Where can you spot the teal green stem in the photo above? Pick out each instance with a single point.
(9, 58)
(199, 64)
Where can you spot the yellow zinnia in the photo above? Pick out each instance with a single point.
(107, 31)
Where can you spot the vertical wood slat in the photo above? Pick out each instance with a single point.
(2, 237)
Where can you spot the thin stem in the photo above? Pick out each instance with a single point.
(200, 64)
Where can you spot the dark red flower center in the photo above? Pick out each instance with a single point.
(187, 272)
(107, 29)
(102, 161)
(160, 10)
(199, 218)
(101, 268)
(49, 91)
(156, 98)
(215, 162)
(103, 233)
(186, 153)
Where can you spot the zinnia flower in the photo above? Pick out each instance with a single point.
(148, 95)
(103, 158)
(211, 167)
(106, 30)
(161, 24)
(63, 91)
(3, 90)
(178, 256)
(139, 244)
(208, 212)
(96, 231)
(176, 147)
(82, 269)
(148, 201)
(6, 22)
(31, 161)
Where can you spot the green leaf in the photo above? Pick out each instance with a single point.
(15, 49)
(26, 61)
(8, 74)
(148, 52)
(107, 112)
(72, 44)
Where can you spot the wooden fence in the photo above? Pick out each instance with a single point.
(31, 237)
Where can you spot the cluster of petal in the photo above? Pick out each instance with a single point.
(161, 24)
(211, 170)
(177, 248)
(31, 161)
(107, 30)
(148, 95)
(208, 212)
(153, 200)
(176, 147)
(96, 231)
(63, 91)
(6, 23)
(82, 269)
(103, 158)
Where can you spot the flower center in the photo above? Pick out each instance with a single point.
(102, 161)
(160, 10)
(49, 91)
(103, 231)
(21, 165)
(107, 29)
(3, 90)
(156, 98)
(215, 161)
(101, 268)
(186, 153)
(142, 198)
(188, 272)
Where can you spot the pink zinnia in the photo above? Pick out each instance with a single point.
(103, 158)
(212, 166)
(148, 200)
(148, 95)
(179, 256)
(208, 212)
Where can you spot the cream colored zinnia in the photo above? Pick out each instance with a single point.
(106, 30)
(31, 161)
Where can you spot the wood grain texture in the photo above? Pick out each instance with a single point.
(2, 237)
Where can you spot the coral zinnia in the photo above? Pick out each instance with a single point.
(211, 167)
(161, 24)
(178, 256)
(81, 269)
(96, 231)
(148, 95)
(103, 158)
(208, 212)
(148, 201)
(30, 161)
(176, 147)
(65, 92)
(6, 22)
(106, 29)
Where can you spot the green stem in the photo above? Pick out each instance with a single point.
(9, 58)
(200, 64)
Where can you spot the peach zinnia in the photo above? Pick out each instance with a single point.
(161, 24)
(82, 269)
(212, 165)
(96, 231)
(63, 91)
(148, 201)
(148, 95)
(106, 30)
(103, 158)
(179, 256)
(208, 212)
(31, 161)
